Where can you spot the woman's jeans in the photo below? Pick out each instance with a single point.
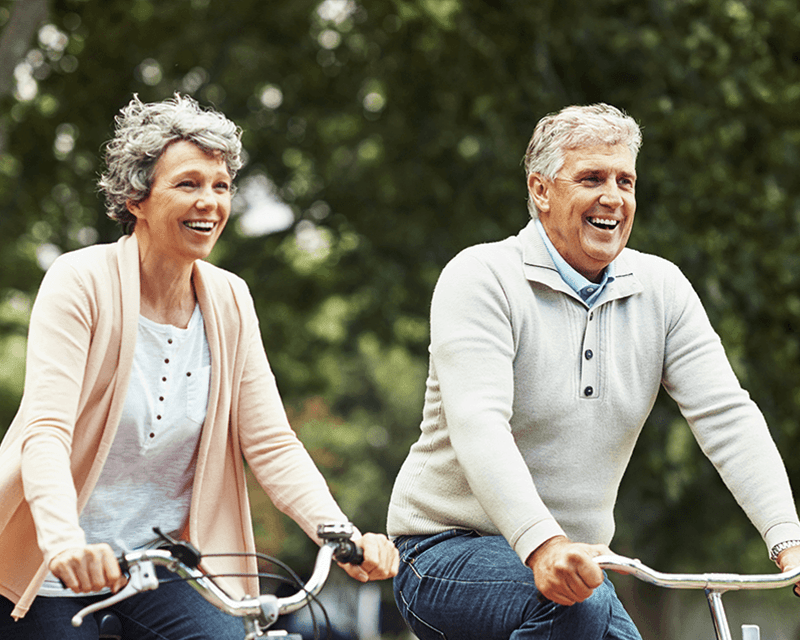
(458, 585)
(174, 611)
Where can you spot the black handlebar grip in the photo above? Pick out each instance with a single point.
(123, 564)
(348, 552)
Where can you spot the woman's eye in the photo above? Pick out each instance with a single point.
(223, 186)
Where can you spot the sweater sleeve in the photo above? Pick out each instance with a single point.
(473, 348)
(727, 424)
(280, 462)
(58, 342)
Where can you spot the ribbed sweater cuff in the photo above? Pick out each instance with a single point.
(781, 533)
(534, 537)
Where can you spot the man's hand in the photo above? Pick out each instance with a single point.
(789, 559)
(89, 568)
(381, 559)
(564, 571)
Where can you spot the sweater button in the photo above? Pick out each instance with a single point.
(588, 391)
(588, 354)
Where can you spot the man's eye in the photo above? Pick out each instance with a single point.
(592, 180)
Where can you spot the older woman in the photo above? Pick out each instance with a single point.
(147, 386)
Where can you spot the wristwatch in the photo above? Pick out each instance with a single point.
(782, 546)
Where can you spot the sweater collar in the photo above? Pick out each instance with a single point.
(539, 267)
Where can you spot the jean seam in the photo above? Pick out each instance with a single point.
(411, 613)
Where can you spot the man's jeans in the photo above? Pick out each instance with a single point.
(458, 585)
(174, 611)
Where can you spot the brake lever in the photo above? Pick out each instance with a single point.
(142, 578)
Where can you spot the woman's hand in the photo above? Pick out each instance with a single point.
(89, 568)
(381, 559)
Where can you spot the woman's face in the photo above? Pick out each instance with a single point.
(188, 206)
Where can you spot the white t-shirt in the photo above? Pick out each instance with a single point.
(147, 478)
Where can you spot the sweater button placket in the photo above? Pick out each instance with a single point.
(588, 362)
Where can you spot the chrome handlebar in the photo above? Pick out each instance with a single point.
(720, 582)
(259, 612)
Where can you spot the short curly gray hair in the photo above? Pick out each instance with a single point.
(574, 127)
(143, 131)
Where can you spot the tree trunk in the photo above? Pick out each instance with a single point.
(26, 18)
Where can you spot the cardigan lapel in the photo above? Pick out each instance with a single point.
(212, 328)
(125, 259)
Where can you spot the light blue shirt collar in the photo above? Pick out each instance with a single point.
(588, 291)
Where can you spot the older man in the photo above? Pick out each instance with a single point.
(547, 353)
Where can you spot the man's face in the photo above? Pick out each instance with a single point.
(588, 209)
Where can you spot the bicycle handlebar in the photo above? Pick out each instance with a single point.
(711, 581)
(262, 610)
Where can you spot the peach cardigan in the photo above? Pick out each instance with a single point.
(80, 352)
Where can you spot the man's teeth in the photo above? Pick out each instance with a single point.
(200, 226)
(604, 223)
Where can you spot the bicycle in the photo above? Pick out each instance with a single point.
(258, 613)
(714, 585)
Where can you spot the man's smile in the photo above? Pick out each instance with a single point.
(606, 224)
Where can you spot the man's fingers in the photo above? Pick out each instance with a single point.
(381, 559)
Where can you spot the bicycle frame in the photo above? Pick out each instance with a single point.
(714, 585)
(259, 612)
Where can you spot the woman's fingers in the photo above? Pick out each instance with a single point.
(87, 569)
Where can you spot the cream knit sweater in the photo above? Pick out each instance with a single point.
(534, 402)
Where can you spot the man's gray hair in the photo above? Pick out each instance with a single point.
(574, 127)
(143, 131)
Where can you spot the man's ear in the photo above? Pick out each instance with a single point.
(539, 190)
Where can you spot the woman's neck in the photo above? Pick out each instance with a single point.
(166, 292)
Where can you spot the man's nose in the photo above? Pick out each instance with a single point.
(611, 196)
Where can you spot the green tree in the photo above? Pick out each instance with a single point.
(393, 131)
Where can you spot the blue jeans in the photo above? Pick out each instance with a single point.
(458, 585)
(174, 611)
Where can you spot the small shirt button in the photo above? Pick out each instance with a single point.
(588, 391)
(588, 354)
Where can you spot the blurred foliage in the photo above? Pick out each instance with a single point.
(393, 131)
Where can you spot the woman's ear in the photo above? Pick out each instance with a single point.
(539, 190)
(132, 207)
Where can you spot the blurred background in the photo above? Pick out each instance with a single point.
(382, 137)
